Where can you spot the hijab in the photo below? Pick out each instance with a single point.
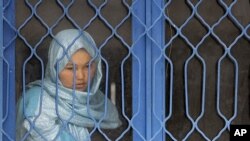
(88, 108)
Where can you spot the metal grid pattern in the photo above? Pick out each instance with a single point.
(155, 33)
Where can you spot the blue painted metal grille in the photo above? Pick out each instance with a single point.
(7, 70)
(210, 88)
(176, 70)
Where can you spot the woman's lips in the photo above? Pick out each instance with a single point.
(81, 86)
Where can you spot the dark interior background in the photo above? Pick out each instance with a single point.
(48, 13)
(211, 51)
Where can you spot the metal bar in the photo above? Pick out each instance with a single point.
(7, 82)
(158, 71)
(138, 70)
(147, 50)
(148, 71)
(9, 70)
(1, 67)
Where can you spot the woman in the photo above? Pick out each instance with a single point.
(68, 100)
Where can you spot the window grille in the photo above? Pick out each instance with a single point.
(176, 70)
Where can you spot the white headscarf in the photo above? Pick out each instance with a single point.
(83, 109)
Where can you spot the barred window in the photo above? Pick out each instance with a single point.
(123, 69)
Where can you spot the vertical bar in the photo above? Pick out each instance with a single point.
(151, 69)
(158, 69)
(138, 70)
(1, 67)
(148, 71)
(9, 94)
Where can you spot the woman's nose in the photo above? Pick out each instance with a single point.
(80, 75)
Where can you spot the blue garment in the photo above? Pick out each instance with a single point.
(49, 111)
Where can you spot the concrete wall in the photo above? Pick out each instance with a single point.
(114, 51)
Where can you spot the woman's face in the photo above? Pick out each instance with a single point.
(81, 59)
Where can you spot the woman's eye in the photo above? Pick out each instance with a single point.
(87, 66)
(69, 68)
